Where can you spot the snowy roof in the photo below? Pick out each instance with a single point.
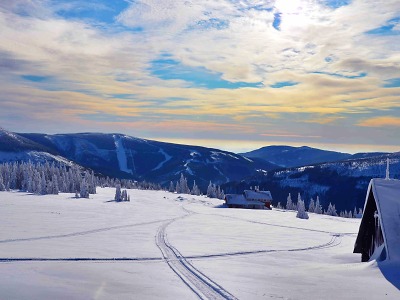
(239, 199)
(258, 195)
(235, 199)
(387, 198)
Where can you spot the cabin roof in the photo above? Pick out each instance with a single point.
(239, 199)
(387, 198)
(258, 195)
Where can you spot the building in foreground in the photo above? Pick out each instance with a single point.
(379, 234)
(249, 199)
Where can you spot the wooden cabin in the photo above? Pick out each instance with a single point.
(249, 199)
(378, 237)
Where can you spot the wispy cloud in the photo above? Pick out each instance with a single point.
(386, 121)
(303, 67)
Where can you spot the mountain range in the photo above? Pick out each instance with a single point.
(122, 156)
(340, 178)
(287, 156)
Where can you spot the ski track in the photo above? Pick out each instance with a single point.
(275, 225)
(79, 233)
(200, 284)
(178, 256)
(58, 259)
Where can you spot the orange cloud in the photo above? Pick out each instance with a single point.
(388, 121)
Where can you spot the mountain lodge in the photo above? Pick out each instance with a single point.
(253, 199)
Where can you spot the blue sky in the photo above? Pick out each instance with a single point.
(227, 73)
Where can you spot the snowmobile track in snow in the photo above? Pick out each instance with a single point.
(79, 233)
(199, 283)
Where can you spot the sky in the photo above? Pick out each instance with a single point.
(231, 74)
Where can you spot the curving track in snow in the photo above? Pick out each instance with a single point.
(67, 235)
(203, 286)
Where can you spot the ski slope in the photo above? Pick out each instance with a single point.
(121, 155)
(168, 246)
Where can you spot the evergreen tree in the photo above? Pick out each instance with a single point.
(311, 206)
(219, 193)
(195, 189)
(43, 184)
(211, 191)
(171, 187)
(289, 203)
(301, 210)
(183, 186)
(318, 207)
(2, 186)
(118, 196)
(331, 211)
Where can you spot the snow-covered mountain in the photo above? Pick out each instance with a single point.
(123, 156)
(344, 183)
(287, 156)
(15, 147)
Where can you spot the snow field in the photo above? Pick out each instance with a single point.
(176, 248)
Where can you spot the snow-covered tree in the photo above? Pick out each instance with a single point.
(311, 206)
(301, 209)
(289, 203)
(2, 186)
(331, 211)
(118, 196)
(195, 189)
(171, 187)
(183, 186)
(84, 188)
(211, 190)
(220, 193)
(318, 207)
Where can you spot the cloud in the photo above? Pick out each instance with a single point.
(385, 121)
(186, 64)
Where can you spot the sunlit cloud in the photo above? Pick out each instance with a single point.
(305, 68)
(290, 135)
(387, 121)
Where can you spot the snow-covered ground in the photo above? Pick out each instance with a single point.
(168, 246)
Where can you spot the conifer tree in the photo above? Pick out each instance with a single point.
(311, 206)
(301, 209)
(2, 186)
(195, 189)
(171, 187)
(289, 203)
(318, 207)
(118, 196)
(84, 188)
